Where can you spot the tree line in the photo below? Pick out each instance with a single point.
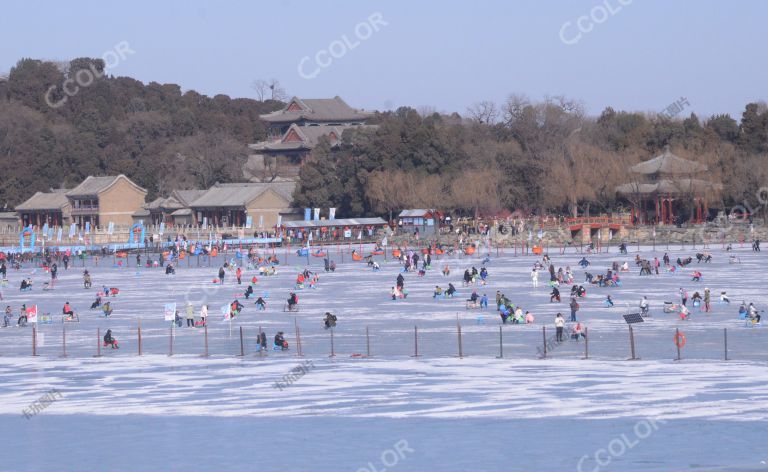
(160, 137)
(525, 155)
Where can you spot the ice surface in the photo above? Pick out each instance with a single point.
(479, 412)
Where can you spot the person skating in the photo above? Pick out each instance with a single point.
(554, 295)
(574, 308)
(221, 275)
(109, 340)
(559, 324)
(262, 304)
(707, 300)
(644, 306)
(293, 300)
(67, 310)
(280, 341)
(329, 320)
(190, 315)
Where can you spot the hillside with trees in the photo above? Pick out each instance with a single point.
(533, 157)
(545, 156)
(158, 136)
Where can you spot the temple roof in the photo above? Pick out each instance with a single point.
(668, 163)
(316, 109)
(679, 186)
(240, 194)
(55, 200)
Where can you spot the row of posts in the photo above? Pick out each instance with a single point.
(679, 340)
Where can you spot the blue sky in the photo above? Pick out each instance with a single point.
(630, 54)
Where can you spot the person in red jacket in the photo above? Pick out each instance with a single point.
(67, 310)
(238, 274)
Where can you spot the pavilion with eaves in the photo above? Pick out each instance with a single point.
(669, 189)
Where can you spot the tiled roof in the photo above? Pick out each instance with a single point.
(317, 109)
(45, 201)
(93, 186)
(668, 163)
(238, 195)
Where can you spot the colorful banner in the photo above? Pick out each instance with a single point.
(32, 314)
(317, 214)
(249, 222)
(332, 213)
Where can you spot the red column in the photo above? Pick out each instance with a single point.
(671, 212)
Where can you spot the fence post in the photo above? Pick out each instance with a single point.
(367, 343)
(501, 345)
(415, 341)
(242, 348)
(458, 331)
(677, 342)
(544, 338)
(261, 350)
(298, 337)
(64, 339)
(632, 342)
(170, 341)
(333, 353)
(725, 340)
(98, 342)
(139, 331)
(34, 341)
(206, 340)
(586, 343)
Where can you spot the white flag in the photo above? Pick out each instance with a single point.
(169, 312)
(384, 241)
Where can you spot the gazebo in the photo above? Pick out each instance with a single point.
(672, 184)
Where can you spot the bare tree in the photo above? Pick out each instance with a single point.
(269, 90)
(277, 92)
(486, 112)
(261, 87)
(211, 158)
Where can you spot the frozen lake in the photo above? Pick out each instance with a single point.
(349, 412)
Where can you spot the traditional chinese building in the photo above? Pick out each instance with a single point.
(101, 200)
(255, 205)
(51, 208)
(173, 209)
(313, 112)
(295, 130)
(669, 189)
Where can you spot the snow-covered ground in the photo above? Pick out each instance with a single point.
(391, 411)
